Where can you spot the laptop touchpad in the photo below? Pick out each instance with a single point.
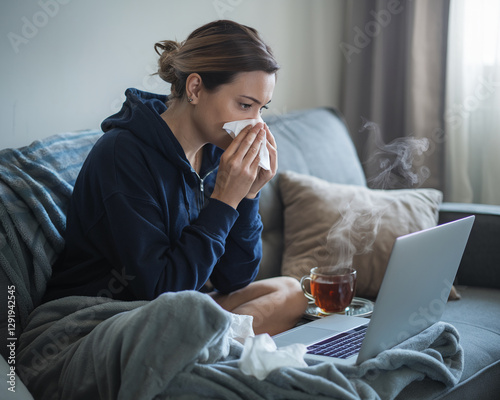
(304, 336)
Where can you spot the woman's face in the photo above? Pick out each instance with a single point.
(243, 98)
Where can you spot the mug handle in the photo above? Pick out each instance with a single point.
(306, 293)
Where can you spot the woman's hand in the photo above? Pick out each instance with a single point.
(264, 176)
(239, 171)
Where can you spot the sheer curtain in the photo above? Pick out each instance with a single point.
(472, 108)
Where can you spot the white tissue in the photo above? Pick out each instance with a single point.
(241, 327)
(261, 356)
(234, 128)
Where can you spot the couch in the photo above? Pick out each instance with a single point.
(311, 143)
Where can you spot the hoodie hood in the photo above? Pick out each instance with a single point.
(141, 116)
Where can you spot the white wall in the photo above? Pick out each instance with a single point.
(66, 63)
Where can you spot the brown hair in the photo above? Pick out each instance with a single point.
(216, 51)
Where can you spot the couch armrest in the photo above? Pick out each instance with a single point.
(480, 264)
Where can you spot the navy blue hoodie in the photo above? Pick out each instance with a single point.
(141, 221)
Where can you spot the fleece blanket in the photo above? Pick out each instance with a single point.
(178, 347)
(36, 182)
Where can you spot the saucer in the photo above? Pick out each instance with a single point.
(359, 307)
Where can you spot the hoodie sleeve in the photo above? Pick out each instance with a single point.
(240, 263)
(157, 263)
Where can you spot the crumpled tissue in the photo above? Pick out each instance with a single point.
(241, 327)
(260, 356)
(234, 128)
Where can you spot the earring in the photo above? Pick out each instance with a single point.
(190, 99)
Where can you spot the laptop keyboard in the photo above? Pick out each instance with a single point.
(343, 345)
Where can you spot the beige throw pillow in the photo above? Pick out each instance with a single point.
(335, 224)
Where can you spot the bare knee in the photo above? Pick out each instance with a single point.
(288, 293)
(288, 286)
(288, 306)
(293, 291)
(276, 303)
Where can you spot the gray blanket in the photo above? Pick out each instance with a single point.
(177, 347)
(36, 182)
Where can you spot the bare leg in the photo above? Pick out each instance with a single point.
(276, 304)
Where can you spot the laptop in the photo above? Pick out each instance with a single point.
(412, 297)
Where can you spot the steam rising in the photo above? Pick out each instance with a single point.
(355, 233)
(394, 163)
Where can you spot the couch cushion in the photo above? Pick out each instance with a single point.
(343, 225)
(314, 142)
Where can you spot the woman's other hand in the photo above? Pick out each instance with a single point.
(264, 176)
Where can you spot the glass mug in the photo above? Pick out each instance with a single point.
(332, 289)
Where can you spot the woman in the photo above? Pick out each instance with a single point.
(168, 201)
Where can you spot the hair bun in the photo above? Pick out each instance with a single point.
(169, 46)
(167, 50)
